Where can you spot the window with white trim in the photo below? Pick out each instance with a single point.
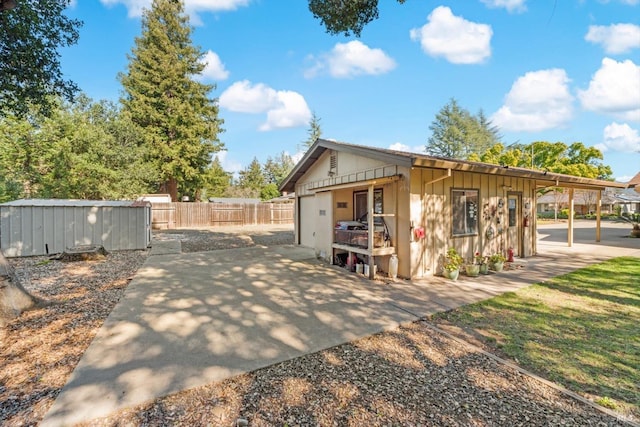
(464, 208)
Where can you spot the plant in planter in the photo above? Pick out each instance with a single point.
(483, 261)
(496, 261)
(634, 219)
(451, 264)
(474, 267)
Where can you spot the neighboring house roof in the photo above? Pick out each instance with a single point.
(635, 182)
(407, 159)
(285, 198)
(233, 200)
(608, 197)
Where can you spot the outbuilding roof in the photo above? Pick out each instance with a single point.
(416, 160)
(75, 203)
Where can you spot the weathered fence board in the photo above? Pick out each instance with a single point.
(193, 215)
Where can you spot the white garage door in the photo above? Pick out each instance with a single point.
(307, 221)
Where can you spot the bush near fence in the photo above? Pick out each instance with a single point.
(194, 215)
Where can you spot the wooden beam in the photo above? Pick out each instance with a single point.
(440, 178)
(372, 229)
(571, 213)
(598, 212)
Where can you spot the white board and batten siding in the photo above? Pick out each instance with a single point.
(33, 227)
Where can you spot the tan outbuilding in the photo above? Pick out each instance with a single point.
(421, 205)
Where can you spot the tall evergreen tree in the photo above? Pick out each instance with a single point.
(179, 119)
(217, 180)
(456, 133)
(448, 132)
(314, 131)
(252, 178)
(277, 169)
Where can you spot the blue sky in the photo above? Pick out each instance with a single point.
(543, 70)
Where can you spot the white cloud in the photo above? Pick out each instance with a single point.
(214, 68)
(628, 2)
(297, 156)
(398, 146)
(620, 137)
(284, 109)
(192, 7)
(616, 38)
(614, 89)
(459, 41)
(243, 97)
(291, 111)
(352, 59)
(228, 164)
(512, 6)
(537, 101)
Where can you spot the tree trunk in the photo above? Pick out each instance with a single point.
(14, 299)
(170, 187)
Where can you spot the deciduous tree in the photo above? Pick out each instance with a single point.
(30, 35)
(345, 16)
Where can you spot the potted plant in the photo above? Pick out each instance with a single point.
(451, 264)
(473, 268)
(484, 263)
(634, 219)
(496, 261)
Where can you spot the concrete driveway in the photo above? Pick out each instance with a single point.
(191, 319)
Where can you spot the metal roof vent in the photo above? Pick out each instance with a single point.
(333, 163)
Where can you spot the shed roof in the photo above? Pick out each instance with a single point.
(75, 203)
(416, 160)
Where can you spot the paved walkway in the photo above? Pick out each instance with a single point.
(191, 319)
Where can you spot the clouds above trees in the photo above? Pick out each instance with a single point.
(351, 59)
(537, 101)
(284, 108)
(192, 7)
(457, 40)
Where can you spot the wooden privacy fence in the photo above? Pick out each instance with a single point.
(191, 215)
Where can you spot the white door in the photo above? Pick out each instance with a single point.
(307, 220)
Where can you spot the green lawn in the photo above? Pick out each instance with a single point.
(580, 330)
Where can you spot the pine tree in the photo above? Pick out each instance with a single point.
(179, 120)
(252, 178)
(217, 180)
(277, 169)
(458, 134)
(314, 131)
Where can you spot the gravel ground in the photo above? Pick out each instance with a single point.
(410, 376)
(41, 347)
(228, 238)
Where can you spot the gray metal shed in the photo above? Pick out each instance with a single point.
(31, 227)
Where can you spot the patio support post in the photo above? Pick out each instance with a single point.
(371, 227)
(571, 213)
(598, 211)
